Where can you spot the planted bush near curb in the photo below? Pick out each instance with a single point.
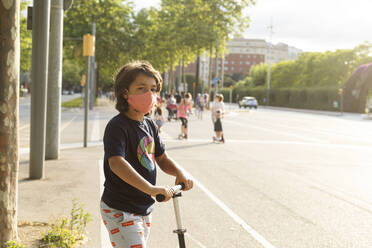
(74, 103)
(306, 98)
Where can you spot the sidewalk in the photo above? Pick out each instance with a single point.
(74, 175)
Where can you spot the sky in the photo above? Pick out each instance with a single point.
(316, 25)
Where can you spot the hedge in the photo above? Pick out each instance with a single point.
(305, 98)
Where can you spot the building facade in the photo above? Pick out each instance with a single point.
(243, 53)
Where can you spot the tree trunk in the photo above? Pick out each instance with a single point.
(9, 93)
(197, 74)
(210, 73)
(183, 75)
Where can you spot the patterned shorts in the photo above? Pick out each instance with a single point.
(126, 230)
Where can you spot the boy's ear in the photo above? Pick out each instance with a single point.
(125, 94)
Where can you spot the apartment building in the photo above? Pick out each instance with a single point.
(243, 53)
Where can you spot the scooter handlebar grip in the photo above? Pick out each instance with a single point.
(176, 188)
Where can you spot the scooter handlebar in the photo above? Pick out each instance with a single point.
(176, 189)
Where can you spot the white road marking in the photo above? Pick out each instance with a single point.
(68, 123)
(95, 129)
(275, 142)
(301, 137)
(195, 241)
(235, 217)
(105, 239)
(23, 127)
(335, 192)
(165, 136)
(325, 132)
(26, 150)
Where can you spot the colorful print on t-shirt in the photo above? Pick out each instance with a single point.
(146, 153)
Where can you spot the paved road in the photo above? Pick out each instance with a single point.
(283, 179)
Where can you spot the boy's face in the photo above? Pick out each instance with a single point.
(141, 85)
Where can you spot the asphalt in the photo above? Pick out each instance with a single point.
(76, 174)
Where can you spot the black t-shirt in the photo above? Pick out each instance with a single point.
(138, 143)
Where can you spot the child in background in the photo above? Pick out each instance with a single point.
(218, 128)
(158, 116)
(183, 109)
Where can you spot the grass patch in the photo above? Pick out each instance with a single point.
(74, 103)
(13, 244)
(67, 232)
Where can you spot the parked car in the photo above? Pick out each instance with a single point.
(248, 101)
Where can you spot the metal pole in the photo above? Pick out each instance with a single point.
(342, 103)
(180, 230)
(86, 102)
(269, 62)
(268, 84)
(179, 76)
(53, 120)
(230, 95)
(92, 70)
(223, 70)
(40, 45)
(216, 66)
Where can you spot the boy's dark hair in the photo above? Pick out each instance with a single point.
(126, 75)
(218, 112)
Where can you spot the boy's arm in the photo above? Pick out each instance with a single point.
(125, 171)
(170, 167)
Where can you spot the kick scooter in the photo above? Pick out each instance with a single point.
(180, 230)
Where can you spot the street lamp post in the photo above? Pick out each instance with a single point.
(269, 65)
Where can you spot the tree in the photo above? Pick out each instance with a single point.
(9, 88)
(114, 32)
(258, 74)
(26, 40)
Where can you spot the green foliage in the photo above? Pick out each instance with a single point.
(307, 98)
(179, 30)
(258, 75)
(319, 69)
(229, 81)
(309, 82)
(26, 40)
(78, 219)
(113, 34)
(13, 244)
(65, 233)
(72, 74)
(74, 103)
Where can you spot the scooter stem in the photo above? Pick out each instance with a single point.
(180, 230)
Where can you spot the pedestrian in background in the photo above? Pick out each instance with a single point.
(158, 117)
(199, 106)
(183, 110)
(132, 149)
(218, 128)
(172, 108)
(218, 105)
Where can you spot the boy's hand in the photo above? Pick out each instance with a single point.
(166, 191)
(181, 178)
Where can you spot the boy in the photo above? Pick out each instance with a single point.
(132, 149)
